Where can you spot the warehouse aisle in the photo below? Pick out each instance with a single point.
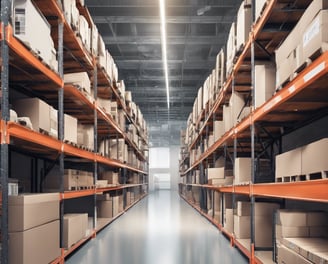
(160, 229)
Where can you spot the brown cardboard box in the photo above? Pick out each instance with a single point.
(216, 182)
(231, 48)
(237, 107)
(218, 129)
(243, 208)
(318, 231)
(291, 231)
(110, 176)
(265, 83)
(244, 22)
(37, 110)
(314, 157)
(215, 173)
(70, 126)
(242, 170)
(227, 118)
(317, 219)
(242, 227)
(36, 245)
(315, 36)
(291, 218)
(286, 256)
(289, 163)
(118, 150)
(85, 135)
(263, 232)
(228, 220)
(265, 208)
(75, 228)
(31, 210)
(105, 209)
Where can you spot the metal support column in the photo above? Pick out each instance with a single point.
(5, 14)
(124, 177)
(95, 141)
(61, 121)
(253, 137)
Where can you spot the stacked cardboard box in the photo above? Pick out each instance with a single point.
(75, 228)
(105, 206)
(85, 135)
(305, 40)
(244, 22)
(105, 104)
(70, 129)
(118, 150)
(231, 49)
(79, 79)
(302, 235)
(215, 176)
(263, 219)
(220, 72)
(32, 218)
(85, 32)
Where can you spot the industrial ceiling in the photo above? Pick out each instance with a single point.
(196, 31)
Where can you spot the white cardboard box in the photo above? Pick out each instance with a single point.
(37, 110)
(218, 129)
(80, 79)
(231, 48)
(289, 163)
(213, 173)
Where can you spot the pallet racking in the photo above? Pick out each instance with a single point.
(20, 67)
(299, 102)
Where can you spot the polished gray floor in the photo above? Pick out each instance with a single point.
(161, 229)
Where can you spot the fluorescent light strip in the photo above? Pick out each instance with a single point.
(164, 49)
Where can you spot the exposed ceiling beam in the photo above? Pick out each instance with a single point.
(186, 77)
(170, 19)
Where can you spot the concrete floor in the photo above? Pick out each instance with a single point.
(161, 229)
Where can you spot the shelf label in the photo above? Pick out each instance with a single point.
(314, 72)
(291, 89)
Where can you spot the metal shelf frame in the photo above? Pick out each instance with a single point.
(63, 36)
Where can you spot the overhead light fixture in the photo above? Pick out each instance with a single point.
(164, 49)
(201, 11)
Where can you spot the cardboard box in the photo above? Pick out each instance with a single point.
(216, 181)
(242, 170)
(37, 110)
(105, 209)
(219, 71)
(315, 36)
(27, 211)
(101, 48)
(118, 150)
(243, 208)
(39, 40)
(265, 208)
(314, 157)
(231, 48)
(244, 22)
(200, 101)
(238, 111)
(70, 126)
(263, 232)
(289, 163)
(286, 256)
(110, 176)
(84, 32)
(228, 220)
(85, 135)
(32, 245)
(75, 228)
(218, 129)
(291, 231)
(79, 79)
(265, 83)
(291, 218)
(242, 226)
(227, 118)
(259, 6)
(105, 104)
(317, 219)
(94, 40)
(217, 173)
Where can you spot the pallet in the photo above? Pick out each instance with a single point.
(307, 177)
(80, 188)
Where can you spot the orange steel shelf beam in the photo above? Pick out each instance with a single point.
(313, 72)
(25, 54)
(77, 194)
(254, 34)
(78, 244)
